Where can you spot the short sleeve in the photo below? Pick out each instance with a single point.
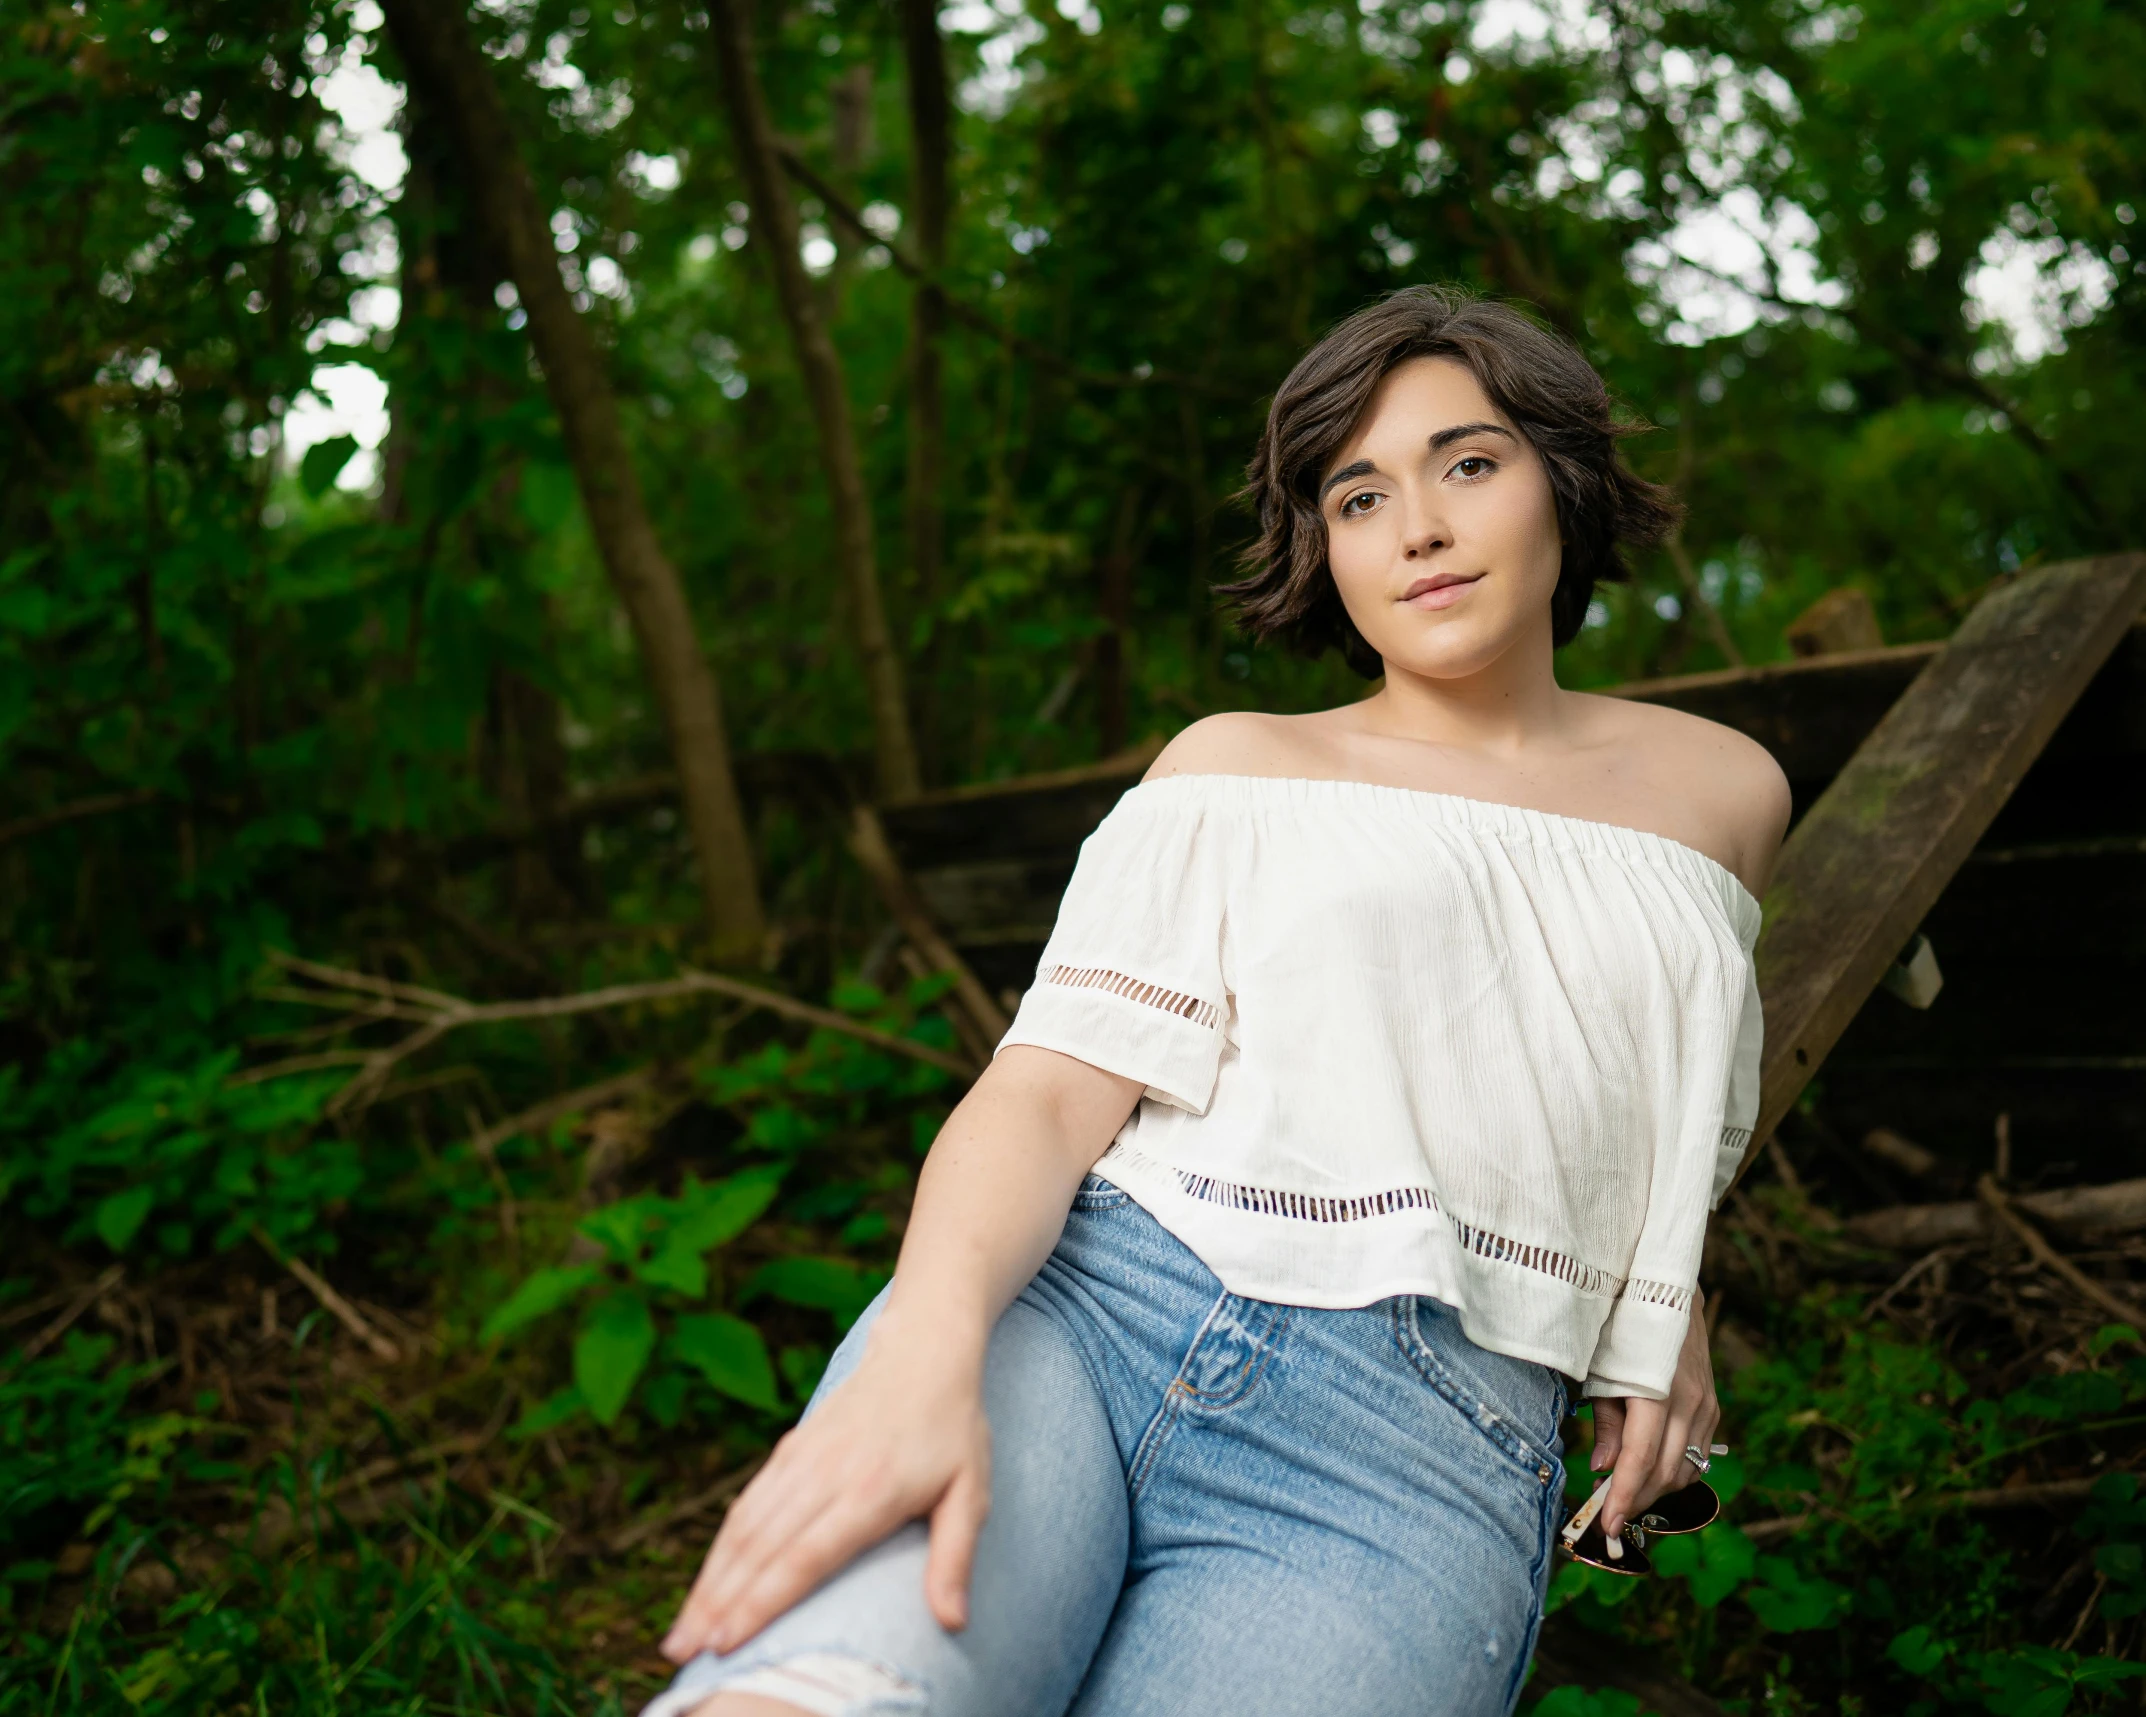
(1131, 980)
(1741, 1113)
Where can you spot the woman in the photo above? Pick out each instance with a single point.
(1375, 1085)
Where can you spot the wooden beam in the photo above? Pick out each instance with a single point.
(1875, 851)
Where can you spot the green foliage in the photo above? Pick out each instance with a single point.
(2114, 1522)
(71, 1454)
(449, 1627)
(1582, 1702)
(655, 1252)
(243, 708)
(175, 1158)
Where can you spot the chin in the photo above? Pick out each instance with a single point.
(1461, 651)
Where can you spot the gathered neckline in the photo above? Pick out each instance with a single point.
(1527, 815)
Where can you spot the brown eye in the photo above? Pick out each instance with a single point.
(1474, 465)
(1358, 504)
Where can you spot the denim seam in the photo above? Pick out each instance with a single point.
(1500, 1433)
(1179, 1393)
(1539, 1581)
(1149, 1449)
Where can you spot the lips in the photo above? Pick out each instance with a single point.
(1440, 590)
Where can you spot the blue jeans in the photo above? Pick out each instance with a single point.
(1204, 1504)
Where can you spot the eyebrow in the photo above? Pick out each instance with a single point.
(1461, 431)
(1362, 468)
(1439, 443)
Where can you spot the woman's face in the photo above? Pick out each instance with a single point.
(1440, 525)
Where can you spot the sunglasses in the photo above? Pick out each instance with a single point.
(1684, 1510)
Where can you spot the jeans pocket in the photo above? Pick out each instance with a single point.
(1096, 1193)
(1518, 1425)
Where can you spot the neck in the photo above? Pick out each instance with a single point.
(1508, 704)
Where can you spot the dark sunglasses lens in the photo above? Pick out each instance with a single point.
(1683, 1510)
(1592, 1549)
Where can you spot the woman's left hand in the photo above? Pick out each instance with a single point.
(1644, 1441)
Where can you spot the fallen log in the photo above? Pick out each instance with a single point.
(2118, 1208)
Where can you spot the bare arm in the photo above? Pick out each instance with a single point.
(904, 1436)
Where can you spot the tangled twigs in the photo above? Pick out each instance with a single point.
(2049, 1257)
(339, 1308)
(435, 1014)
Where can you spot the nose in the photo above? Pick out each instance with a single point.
(1423, 531)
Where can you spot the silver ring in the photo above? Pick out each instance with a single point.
(1697, 1456)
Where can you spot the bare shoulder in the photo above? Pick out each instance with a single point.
(1727, 781)
(1237, 742)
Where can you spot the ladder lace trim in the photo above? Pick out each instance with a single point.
(1735, 1138)
(1651, 1293)
(1311, 1207)
(1132, 989)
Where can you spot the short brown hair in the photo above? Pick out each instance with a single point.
(1537, 378)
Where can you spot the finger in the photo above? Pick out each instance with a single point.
(1609, 1434)
(955, 1525)
(689, 1629)
(737, 1559)
(753, 1558)
(1672, 1469)
(1705, 1424)
(1635, 1462)
(833, 1541)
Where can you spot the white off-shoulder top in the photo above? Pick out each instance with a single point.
(1398, 1042)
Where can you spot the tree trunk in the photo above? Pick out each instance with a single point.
(450, 75)
(774, 221)
(1114, 606)
(930, 207)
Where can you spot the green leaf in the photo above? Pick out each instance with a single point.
(621, 1229)
(1587, 1702)
(120, 1217)
(1726, 1560)
(1917, 1651)
(324, 462)
(676, 1267)
(724, 1209)
(1790, 1601)
(611, 1351)
(730, 1354)
(549, 1414)
(824, 1284)
(543, 1293)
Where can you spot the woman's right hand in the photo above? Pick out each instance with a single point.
(904, 1436)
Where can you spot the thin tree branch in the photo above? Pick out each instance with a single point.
(875, 855)
(60, 1325)
(2050, 1258)
(490, 1138)
(96, 805)
(451, 1013)
(847, 214)
(775, 229)
(339, 1308)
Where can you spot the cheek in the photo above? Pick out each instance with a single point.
(1358, 557)
(1524, 530)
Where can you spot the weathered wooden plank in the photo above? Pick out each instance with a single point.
(1869, 860)
(1810, 714)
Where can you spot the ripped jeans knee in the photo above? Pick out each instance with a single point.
(825, 1683)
